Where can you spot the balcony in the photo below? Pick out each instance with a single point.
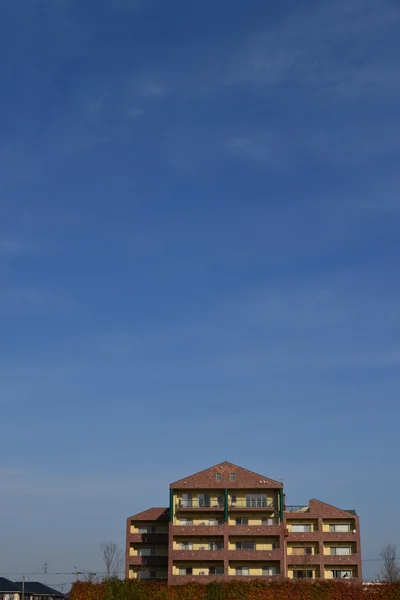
(252, 504)
(203, 529)
(148, 538)
(338, 536)
(181, 579)
(340, 559)
(202, 554)
(251, 530)
(305, 560)
(195, 503)
(152, 560)
(254, 554)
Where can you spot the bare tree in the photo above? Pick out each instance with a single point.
(113, 558)
(390, 570)
(90, 576)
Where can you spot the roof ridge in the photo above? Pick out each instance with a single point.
(225, 463)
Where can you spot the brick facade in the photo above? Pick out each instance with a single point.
(283, 558)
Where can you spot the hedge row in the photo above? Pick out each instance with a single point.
(236, 590)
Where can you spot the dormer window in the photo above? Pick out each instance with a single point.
(233, 477)
(218, 477)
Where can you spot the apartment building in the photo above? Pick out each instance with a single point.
(228, 522)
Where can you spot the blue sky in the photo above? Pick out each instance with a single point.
(199, 249)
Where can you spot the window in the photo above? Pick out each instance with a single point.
(232, 477)
(245, 545)
(215, 522)
(343, 528)
(216, 545)
(256, 500)
(242, 521)
(301, 527)
(216, 571)
(186, 521)
(233, 499)
(147, 552)
(186, 571)
(147, 529)
(268, 571)
(242, 571)
(339, 574)
(218, 476)
(186, 500)
(186, 546)
(303, 574)
(145, 574)
(340, 551)
(204, 500)
(268, 521)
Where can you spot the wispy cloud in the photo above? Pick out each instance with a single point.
(356, 144)
(332, 45)
(148, 89)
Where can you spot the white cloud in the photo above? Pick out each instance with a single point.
(331, 46)
(135, 113)
(148, 89)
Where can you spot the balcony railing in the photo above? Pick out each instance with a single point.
(297, 508)
(206, 547)
(201, 524)
(195, 503)
(252, 503)
(254, 549)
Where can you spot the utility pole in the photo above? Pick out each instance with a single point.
(23, 588)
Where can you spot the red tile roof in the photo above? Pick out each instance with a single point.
(323, 510)
(245, 479)
(152, 514)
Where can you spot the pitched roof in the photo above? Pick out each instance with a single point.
(324, 510)
(38, 589)
(152, 514)
(7, 586)
(244, 479)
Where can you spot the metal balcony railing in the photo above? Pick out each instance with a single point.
(254, 549)
(252, 503)
(297, 508)
(195, 503)
(206, 547)
(206, 523)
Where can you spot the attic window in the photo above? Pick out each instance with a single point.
(233, 477)
(218, 476)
